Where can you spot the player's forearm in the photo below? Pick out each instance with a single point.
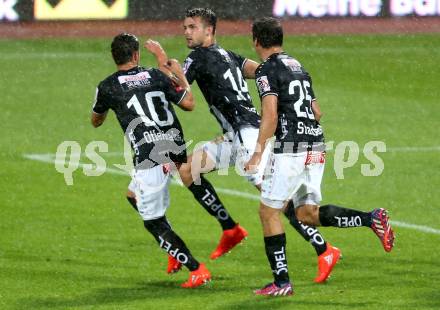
(98, 119)
(161, 64)
(161, 59)
(267, 129)
(249, 69)
(269, 121)
(181, 80)
(316, 110)
(177, 74)
(187, 103)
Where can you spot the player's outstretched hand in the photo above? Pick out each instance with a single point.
(251, 166)
(156, 49)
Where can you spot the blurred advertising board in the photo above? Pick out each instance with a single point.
(28, 10)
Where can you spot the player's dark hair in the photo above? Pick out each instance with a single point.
(124, 45)
(207, 15)
(268, 32)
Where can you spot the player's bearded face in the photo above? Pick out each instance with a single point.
(196, 33)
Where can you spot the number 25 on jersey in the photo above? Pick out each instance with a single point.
(300, 90)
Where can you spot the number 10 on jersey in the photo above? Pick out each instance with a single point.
(154, 121)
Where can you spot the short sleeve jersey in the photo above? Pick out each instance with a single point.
(141, 99)
(219, 75)
(297, 129)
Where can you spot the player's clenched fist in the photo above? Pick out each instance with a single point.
(251, 166)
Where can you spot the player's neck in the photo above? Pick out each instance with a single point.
(267, 52)
(209, 42)
(127, 66)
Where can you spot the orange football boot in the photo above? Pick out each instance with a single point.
(198, 277)
(326, 262)
(230, 238)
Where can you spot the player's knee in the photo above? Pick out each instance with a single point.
(185, 173)
(201, 163)
(261, 213)
(308, 214)
(267, 214)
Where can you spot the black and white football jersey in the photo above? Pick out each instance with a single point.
(219, 75)
(141, 99)
(297, 129)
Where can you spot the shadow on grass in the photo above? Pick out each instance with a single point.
(260, 302)
(150, 292)
(157, 293)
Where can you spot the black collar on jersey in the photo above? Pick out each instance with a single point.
(276, 54)
(214, 45)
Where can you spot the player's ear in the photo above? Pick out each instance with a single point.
(256, 44)
(210, 30)
(136, 56)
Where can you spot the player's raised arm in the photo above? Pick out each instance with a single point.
(249, 68)
(159, 53)
(178, 77)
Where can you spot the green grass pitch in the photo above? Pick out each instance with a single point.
(83, 247)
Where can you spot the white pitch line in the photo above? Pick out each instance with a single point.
(422, 228)
(50, 158)
(50, 55)
(232, 192)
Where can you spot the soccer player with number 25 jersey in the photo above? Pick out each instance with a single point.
(290, 112)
